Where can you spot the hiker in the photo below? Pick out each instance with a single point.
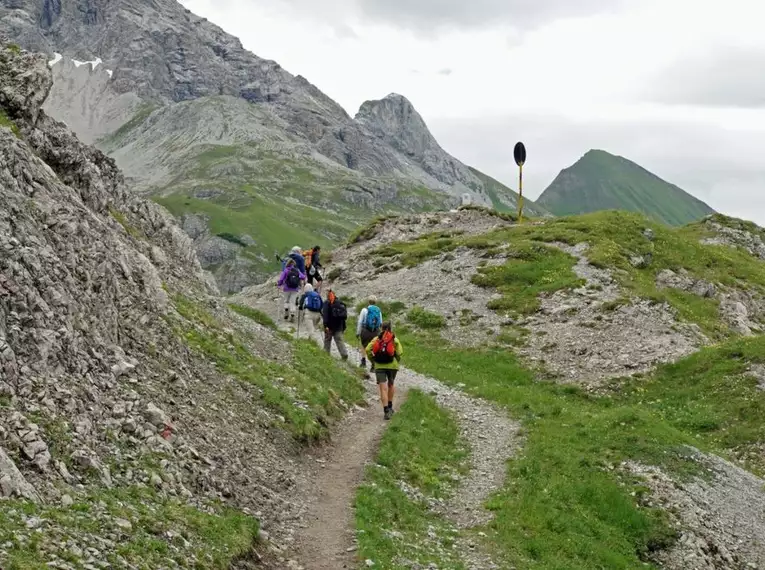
(313, 265)
(368, 325)
(385, 352)
(310, 307)
(290, 281)
(334, 314)
(296, 255)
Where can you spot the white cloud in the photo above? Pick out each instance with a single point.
(575, 80)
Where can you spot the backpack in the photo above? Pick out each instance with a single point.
(308, 256)
(373, 321)
(384, 348)
(293, 278)
(338, 311)
(313, 302)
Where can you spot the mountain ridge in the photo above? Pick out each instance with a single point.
(601, 181)
(240, 150)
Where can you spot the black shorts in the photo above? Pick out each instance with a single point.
(385, 375)
(316, 275)
(367, 336)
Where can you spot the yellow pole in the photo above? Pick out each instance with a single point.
(520, 193)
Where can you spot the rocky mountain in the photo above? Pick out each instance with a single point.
(143, 422)
(602, 181)
(246, 149)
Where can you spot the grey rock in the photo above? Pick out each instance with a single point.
(214, 250)
(154, 415)
(640, 261)
(12, 482)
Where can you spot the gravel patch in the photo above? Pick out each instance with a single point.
(720, 517)
(586, 336)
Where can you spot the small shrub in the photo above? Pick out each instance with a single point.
(335, 273)
(425, 319)
(258, 316)
(7, 122)
(232, 238)
(122, 220)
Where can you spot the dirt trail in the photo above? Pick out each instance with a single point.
(327, 539)
(327, 542)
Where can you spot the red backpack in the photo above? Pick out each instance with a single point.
(384, 348)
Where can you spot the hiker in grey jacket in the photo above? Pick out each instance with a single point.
(368, 325)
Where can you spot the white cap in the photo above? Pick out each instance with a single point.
(296, 249)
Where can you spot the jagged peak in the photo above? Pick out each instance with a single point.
(395, 118)
(392, 101)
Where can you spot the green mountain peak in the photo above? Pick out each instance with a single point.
(603, 181)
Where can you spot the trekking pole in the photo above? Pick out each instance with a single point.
(519, 153)
(300, 314)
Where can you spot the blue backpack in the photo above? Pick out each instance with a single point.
(374, 318)
(313, 302)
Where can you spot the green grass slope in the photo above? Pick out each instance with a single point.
(602, 181)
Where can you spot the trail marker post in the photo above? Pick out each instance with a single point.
(519, 153)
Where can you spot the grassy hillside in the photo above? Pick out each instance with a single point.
(568, 500)
(601, 181)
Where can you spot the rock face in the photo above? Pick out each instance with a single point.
(99, 388)
(83, 97)
(395, 121)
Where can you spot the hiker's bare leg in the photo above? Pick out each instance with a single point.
(391, 392)
(383, 394)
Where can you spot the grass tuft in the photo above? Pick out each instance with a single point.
(254, 314)
(425, 319)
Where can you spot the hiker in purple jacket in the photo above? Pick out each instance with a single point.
(290, 281)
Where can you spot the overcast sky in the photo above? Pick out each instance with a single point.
(675, 85)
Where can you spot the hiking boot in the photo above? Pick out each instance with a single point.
(372, 368)
(388, 414)
(363, 363)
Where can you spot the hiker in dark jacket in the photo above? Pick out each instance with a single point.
(314, 266)
(334, 314)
